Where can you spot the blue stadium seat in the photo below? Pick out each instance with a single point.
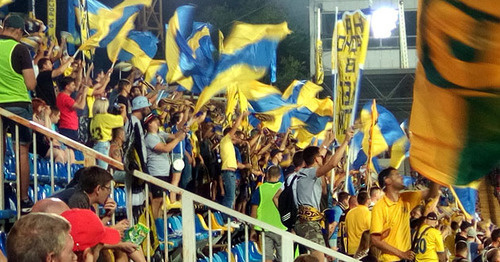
(3, 242)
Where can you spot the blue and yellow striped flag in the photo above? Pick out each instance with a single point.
(188, 49)
(247, 56)
(156, 68)
(140, 49)
(111, 22)
(454, 124)
(5, 2)
(115, 46)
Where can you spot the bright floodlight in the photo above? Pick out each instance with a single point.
(383, 22)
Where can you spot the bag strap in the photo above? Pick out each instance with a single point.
(417, 239)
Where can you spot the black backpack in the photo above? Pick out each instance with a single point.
(286, 205)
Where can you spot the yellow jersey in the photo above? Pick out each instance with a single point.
(357, 221)
(227, 153)
(101, 126)
(429, 244)
(395, 217)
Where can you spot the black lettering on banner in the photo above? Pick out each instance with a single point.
(350, 67)
(341, 41)
(348, 27)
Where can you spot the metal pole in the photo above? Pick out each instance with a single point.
(113, 216)
(68, 164)
(210, 249)
(2, 160)
(188, 229)
(229, 239)
(18, 173)
(403, 47)
(263, 247)
(35, 169)
(165, 225)
(52, 182)
(246, 242)
(148, 245)
(335, 73)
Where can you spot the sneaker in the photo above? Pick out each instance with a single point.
(26, 206)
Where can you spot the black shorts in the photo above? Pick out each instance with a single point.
(156, 191)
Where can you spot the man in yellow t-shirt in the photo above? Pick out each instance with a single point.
(357, 221)
(390, 226)
(429, 244)
(229, 163)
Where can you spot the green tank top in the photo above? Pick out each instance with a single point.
(12, 86)
(267, 211)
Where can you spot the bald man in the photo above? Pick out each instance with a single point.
(50, 205)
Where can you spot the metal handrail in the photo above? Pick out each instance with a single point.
(188, 226)
(67, 141)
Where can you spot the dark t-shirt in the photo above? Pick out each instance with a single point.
(21, 58)
(45, 88)
(79, 200)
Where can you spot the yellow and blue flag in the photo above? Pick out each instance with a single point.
(247, 56)
(115, 46)
(188, 50)
(111, 22)
(157, 68)
(454, 124)
(140, 49)
(466, 198)
(5, 2)
(385, 131)
(401, 148)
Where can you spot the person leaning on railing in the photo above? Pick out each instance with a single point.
(16, 78)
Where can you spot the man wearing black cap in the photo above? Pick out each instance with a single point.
(390, 227)
(428, 241)
(16, 79)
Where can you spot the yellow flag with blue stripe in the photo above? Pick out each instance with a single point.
(139, 48)
(247, 56)
(188, 50)
(110, 22)
(454, 124)
(157, 68)
(115, 46)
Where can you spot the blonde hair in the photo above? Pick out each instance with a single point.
(100, 106)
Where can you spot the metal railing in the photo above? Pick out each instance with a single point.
(189, 242)
(189, 252)
(89, 155)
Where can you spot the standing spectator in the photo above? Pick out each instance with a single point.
(101, 126)
(16, 79)
(309, 189)
(475, 246)
(429, 245)
(264, 209)
(68, 123)
(461, 252)
(116, 144)
(159, 157)
(298, 162)
(462, 235)
(135, 135)
(391, 216)
(449, 241)
(357, 221)
(40, 237)
(45, 86)
(229, 163)
(336, 219)
(124, 86)
(375, 195)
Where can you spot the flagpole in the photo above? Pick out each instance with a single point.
(334, 89)
(370, 148)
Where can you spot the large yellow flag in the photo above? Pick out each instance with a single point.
(352, 42)
(455, 119)
(117, 43)
(5, 2)
(320, 74)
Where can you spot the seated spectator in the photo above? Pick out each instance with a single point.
(40, 237)
(89, 234)
(41, 115)
(50, 205)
